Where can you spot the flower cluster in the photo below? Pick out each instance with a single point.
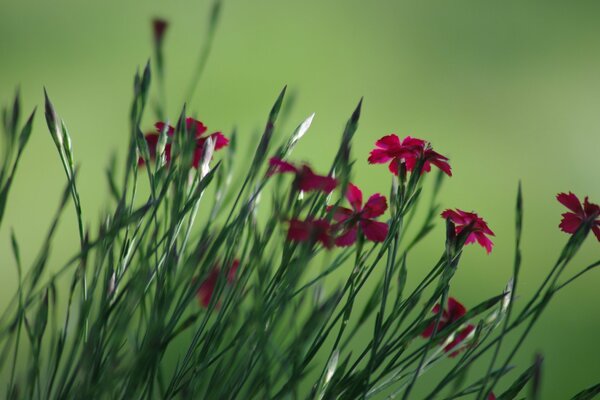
(407, 152)
(193, 127)
(359, 220)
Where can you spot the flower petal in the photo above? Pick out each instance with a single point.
(195, 127)
(443, 165)
(340, 214)
(570, 201)
(388, 142)
(570, 223)
(354, 197)
(455, 309)
(484, 241)
(299, 231)
(375, 206)
(379, 156)
(347, 238)
(160, 126)
(596, 230)
(308, 181)
(278, 166)
(394, 166)
(375, 231)
(220, 140)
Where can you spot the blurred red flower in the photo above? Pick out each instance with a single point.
(478, 228)
(316, 230)
(454, 311)
(306, 180)
(408, 151)
(207, 288)
(580, 213)
(194, 127)
(350, 220)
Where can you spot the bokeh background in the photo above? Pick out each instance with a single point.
(509, 90)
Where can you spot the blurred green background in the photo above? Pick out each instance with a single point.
(508, 90)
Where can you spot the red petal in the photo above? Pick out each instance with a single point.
(388, 142)
(278, 166)
(160, 126)
(354, 196)
(596, 230)
(443, 165)
(570, 223)
(151, 141)
(220, 140)
(233, 271)
(374, 231)
(298, 231)
(410, 162)
(455, 309)
(347, 239)
(197, 128)
(570, 201)
(341, 214)
(379, 156)
(394, 166)
(484, 241)
(413, 142)
(207, 288)
(376, 206)
(308, 181)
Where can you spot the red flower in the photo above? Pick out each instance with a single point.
(491, 396)
(207, 288)
(349, 220)
(194, 127)
(306, 180)
(316, 230)
(453, 313)
(477, 227)
(580, 213)
(408, 151)
(159, 26)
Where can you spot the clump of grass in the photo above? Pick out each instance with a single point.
(205, 289)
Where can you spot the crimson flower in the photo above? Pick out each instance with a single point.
(477, 227)
(450, 315)
(315, 230)
(350, 220)
(207, 288)
(408, 151)
(491, 396)
(580, 213)
(306, 180)
(194, 127)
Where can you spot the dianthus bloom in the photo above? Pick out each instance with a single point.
(195, 128)
(408, 151)
(315, 230)
(306, 180)
(450, 315)
(478, 228)
(580, 213)
(349, 221)
(207, 288)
